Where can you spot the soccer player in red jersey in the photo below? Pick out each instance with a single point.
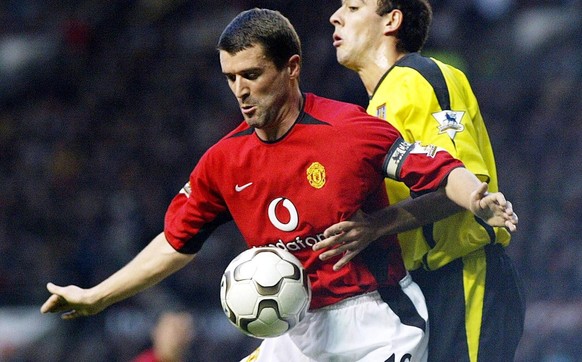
(297, 164)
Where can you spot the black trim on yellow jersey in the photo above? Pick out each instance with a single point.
(427, 231)
(380, 81)
(425, 262)
(432, 73)
(488, 228)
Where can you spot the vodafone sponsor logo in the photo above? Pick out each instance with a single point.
(298, 243)
(289, 224)
(293, 215)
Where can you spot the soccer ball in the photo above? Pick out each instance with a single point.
(265, 292)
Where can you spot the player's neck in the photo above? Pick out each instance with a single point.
(374, 68)
(288, 114)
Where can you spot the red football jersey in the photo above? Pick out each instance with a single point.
(331, 163)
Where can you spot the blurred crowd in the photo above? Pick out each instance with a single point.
(105, 107)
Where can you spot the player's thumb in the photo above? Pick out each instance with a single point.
(475, 198)
(53, 289)
(482, 189)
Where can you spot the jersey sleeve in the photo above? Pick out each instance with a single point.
(196, 211)
(421, 168)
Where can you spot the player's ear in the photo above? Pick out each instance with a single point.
(294, 66)
(392, 21)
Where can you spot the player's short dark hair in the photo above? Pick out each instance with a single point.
(265, 27)
(417, 16)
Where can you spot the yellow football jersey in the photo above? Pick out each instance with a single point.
(433, 103)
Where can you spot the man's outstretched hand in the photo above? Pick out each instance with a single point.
(71, 300)
(493, 208)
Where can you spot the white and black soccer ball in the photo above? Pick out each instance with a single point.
(265, 292)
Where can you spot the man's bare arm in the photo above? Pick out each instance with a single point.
(154, 263)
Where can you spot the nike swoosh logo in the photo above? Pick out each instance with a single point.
(238, 188)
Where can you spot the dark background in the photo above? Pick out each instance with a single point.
(105, 107)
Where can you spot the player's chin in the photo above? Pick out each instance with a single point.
(343, 58)
(253, 122)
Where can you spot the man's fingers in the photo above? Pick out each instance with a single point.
(348, 255)
(336, 229)
(47, 306)
(500, 199)
(70, 315)
(344, 238)
(509, 208)
(328, 242)
(334, 252)
(511, 224)
(56, 302)
(496, 198)
(53, 304)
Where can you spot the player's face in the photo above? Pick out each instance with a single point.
(358, 32)
(262, 90)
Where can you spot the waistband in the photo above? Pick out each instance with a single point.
(373, 296)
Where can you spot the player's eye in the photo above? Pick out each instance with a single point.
(252, 75)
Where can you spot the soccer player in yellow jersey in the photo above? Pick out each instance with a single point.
(476, 308)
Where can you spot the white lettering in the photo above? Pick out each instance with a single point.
(298, 243)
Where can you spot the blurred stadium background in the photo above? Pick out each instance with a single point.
(105, 106)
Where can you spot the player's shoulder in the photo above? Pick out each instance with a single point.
(314, 102)
(243, 129)
(332, 111)
(410, 75)
(422, 63)
(349, 122)
(415, 66)
(238, 138)
(239, 134)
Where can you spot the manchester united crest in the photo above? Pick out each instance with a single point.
(316, 175)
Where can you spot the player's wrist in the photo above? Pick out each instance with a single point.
(99, 298)
(382, 223)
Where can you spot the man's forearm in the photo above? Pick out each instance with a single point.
(413, 213)
(155, 262)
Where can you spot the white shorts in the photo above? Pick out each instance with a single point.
(362, 328)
